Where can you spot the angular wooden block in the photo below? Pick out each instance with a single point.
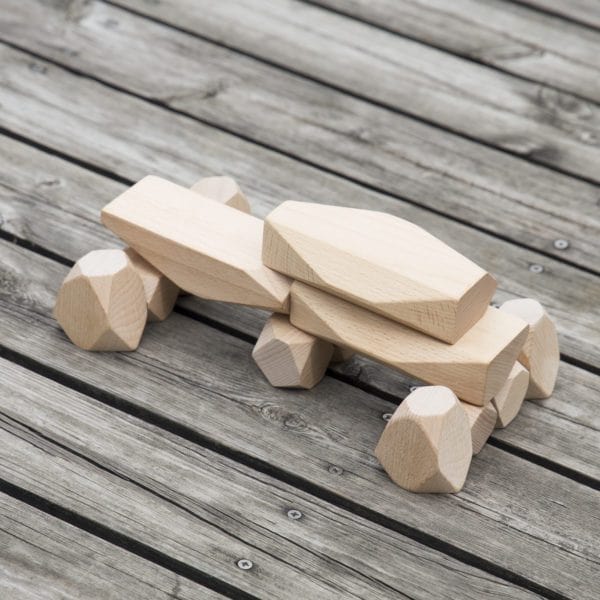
(101, 304)
(509, 399)
(289, 357)
(205, 247)
(426, 445)
(380, 262)
(341, 354)
(161, 293)
(482, 420)
(475, 367)
(223, 189)
(540, 354)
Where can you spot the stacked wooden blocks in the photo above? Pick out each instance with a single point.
(338, 281)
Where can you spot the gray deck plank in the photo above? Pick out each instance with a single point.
(207, 511)
(508, 36)
(538, 122)
(582, 11)
(44, 558)
(111, 130)
(510, 512)
(486, 187)
(51, 206)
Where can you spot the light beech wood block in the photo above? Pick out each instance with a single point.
(289, 357)
(223, 189)
(101, 304)
(540, 354)
(475, 367)
(380, 262)
(161, 293)
(426, 445)
(341, 354)
(205, 247)
(509, 399)
(482, 420)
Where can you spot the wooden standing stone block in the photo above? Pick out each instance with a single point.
(205, 247)
(289, 357)
(509, 399)
(161, 293)
(101, 304)
(223, 189)
(482, 420)
(380, 262)
(540, 354)
(475, 367)
(426, 445)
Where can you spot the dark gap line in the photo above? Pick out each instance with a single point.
(33, 247)
(302, 160)
(555, 14)
(576, 362)
(462, 56)
(292, 479)
(351, 93)
(124, 541)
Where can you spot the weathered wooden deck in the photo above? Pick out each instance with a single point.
(152, 474)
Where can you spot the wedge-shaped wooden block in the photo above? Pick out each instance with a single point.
(161, 293)
(426, 445)
(509, 399)
(289, 357)
(540, 354)
(381, 262)
(101, 304)
(205, 247)
(475, 367)
(482, 420)
(222, 189)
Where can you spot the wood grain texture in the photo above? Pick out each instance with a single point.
(44, 207)
(205, 247)
(319, 125)
(44, 558)
(382, 263)
(505, 35)
(583, 11)
(208, 511)
(482, 420)
(509, 399)
(117, 139)
(183, 372)
(533, 121)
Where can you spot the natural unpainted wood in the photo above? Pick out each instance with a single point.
(380, 262)
(505, 35)
(475, 367)
(289, 357)
(320, 125)
(426, 445)
(222, 189)
(509, 399)
(540, 354)
(482, 420)
(161, 293)
(191, 374)
(101, 304)
(208, 511)
(116, 138)
(205, 247)
(537, 122)
(44, 558)
(583, 11)
(43, 206)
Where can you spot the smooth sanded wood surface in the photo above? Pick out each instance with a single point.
(206, 510)
(323, 126)
(45, 558)
(183, 372)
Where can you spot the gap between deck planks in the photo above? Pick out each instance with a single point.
(53, 209)
(585, 12)
(207, 511)
(482, 187)
(534, 121)
(509, 514)
(45, 558)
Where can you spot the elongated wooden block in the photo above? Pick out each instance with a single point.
(482, 420)
(222, 189)
(380, 262)
(475, 368)
(205, 247)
